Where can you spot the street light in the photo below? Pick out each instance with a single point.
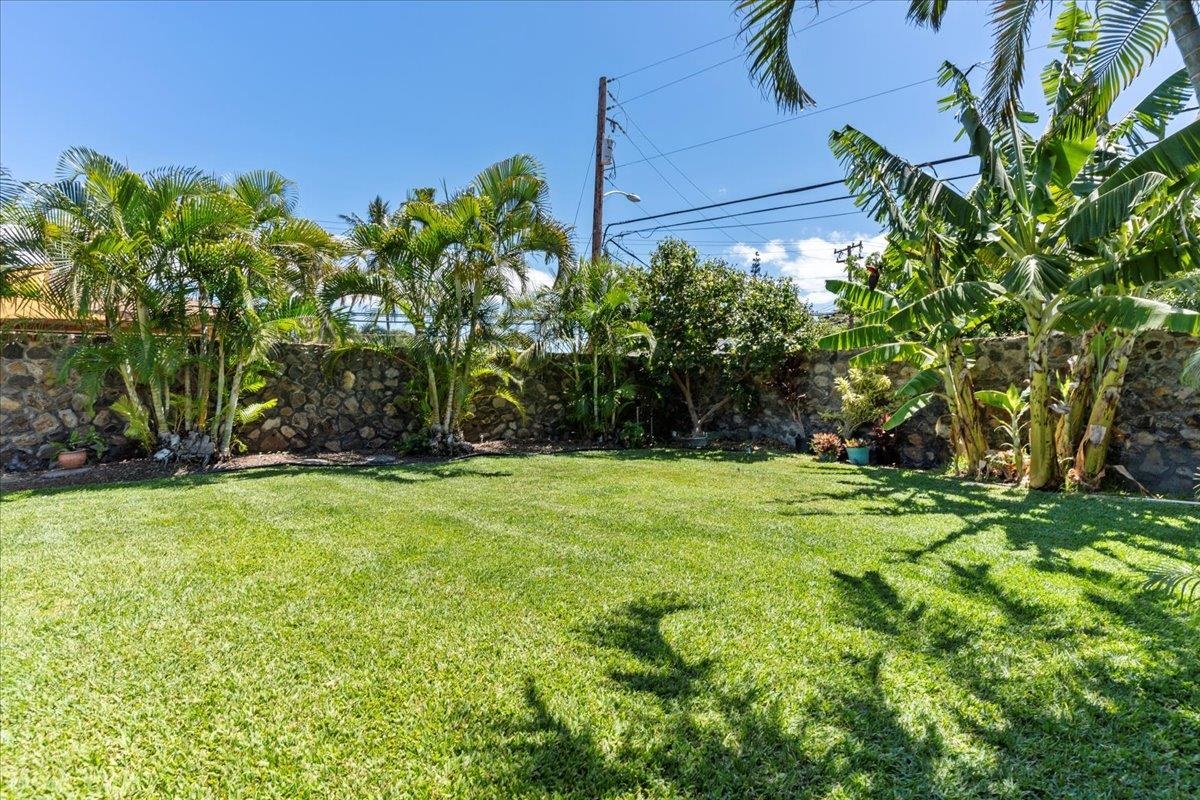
(630, 196)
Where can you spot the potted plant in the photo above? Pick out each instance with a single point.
(858, 452)
(867, 398)
(73, 453)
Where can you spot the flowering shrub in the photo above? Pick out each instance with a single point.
(826, 446)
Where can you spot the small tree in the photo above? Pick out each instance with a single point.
(716, 327)
(867, 398)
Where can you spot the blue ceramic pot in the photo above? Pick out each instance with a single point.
(859, 456)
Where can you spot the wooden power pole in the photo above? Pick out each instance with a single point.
(598, 189)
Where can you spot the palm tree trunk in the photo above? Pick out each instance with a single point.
(1181, 15)
(135, 401)
(203, 368)
(1092, 454)
(187, 398)
(595, 388)
(157, 401)
(435, 407)
(235, 388)
(220, 388)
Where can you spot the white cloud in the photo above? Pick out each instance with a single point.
(808, 262)
(534, 279)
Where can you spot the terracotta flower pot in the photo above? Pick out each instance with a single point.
(72, 459)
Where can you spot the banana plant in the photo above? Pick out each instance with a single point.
(1014, 403)
(1072, 231)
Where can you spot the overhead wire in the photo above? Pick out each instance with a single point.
(629, 118)
(794, 190)
(670, 225)
(702, 70)
(665, 180)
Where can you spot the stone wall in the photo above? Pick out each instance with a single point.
(361, 402)
(358, 402)
(1156, 432)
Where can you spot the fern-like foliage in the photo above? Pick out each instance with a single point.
(1182, 582)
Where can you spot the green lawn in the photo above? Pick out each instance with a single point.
(602, 625)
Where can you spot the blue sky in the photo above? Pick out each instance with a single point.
(353, 100)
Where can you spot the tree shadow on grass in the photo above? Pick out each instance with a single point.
(1051, 524)
(692, 735)
(1050, 692)
(971, 690)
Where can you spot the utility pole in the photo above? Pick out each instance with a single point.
(598, 190)
(843, 254)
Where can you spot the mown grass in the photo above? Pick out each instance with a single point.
(605, 625)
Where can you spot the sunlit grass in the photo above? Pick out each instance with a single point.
(607, 625)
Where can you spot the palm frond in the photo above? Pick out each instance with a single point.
(766, 28)
(1132, 33)
(927, 12)
(1011, 23)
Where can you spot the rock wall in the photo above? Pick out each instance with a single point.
(1157, 429)
(361, 402)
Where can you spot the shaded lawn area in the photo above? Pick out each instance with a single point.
(650, 624)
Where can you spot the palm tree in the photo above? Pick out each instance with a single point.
(22, 235)
(113, 236)
(1131, 34)
(190, 276)
(594, 307)
(453, 268)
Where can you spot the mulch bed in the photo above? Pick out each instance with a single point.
(141, 469)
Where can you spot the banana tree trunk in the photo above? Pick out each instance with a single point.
(1181, 15)
(971, 415)
(1043, 462)
(1092, 455)
(968, 435)
(1079, 399)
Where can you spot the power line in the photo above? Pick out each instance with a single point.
(669, 225)
(672, 58)
(727, 137)
(669, 160)
(631, 253)
(738, 56)
(761, 222)
(664, 177)
(583, 188)
(795, 190)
